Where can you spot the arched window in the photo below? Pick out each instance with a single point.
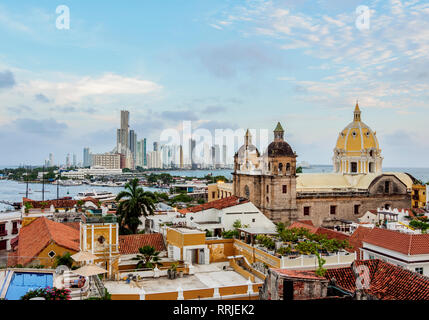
(269, 166)
(268, 188)
(288, 167)
(280, 167)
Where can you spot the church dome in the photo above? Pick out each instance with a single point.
(357, 136)
(279, 147)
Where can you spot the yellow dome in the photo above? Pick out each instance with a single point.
(357, 136)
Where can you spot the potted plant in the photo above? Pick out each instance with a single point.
(172, 271)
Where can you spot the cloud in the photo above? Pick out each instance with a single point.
(73, 91)
(214, 109)
(228, 60)
(42, 98)
(179, 115)
(71, 109)
(44, 127)
(7, 79)
(20, 109)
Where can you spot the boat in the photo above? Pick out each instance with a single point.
(99, 195)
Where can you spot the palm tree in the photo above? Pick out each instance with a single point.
(147, 258)
(64, 260)
(135, 203)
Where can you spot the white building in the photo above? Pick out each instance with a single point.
(410, 251)
(96, 171)
(10, 224)
(215, 216)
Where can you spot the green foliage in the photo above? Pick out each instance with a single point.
(201, 201)
(182, 198)
(320, 271)
(148, 257)
(299, 170)
(421, 225)
(64, 260)
(107, 296)
(134, 202)
(209, 234)
(230, 234)
(161, 196)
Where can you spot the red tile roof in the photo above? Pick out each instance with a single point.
(331, 234)
(409, 244)
(356, 238)
(56, 203)
(299, 274)
(130, 244)
(34, 237)
(387, 281)
(217, 204)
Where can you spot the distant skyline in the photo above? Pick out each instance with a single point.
(220, 64)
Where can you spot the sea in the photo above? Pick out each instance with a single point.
(13, 191)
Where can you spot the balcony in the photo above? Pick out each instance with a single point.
(15, 231)
(3, 233)
(98, 218)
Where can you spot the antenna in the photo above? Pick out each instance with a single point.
(43, 184)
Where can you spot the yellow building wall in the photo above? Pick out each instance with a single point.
(213, 192)
(418, 198)
(194, 239)
(44, 259)
(174, 237)
(220, 250)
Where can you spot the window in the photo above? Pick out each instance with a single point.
(284, 188)
(306, 211)
(419, 270)
(371, 167)
(371, 257)
(51, 254)
(280, 167)
(387, 186)
(357, 207)
(288, 167)
(253, 220)
(333, 210)
(354, 167)
(268, 199)
(386, 206)
(268, 188)
(2, 229)
(214, 194)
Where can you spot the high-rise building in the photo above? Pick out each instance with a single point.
(122, 133)
(68, 164)
(51, 160)
(155, 146)
(132, 144)
(144, 152)
(86, 157)
(74, 160)
(107, 160)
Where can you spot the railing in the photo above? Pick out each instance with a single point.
(99, 285)
(312, 261)
(15, 231)
(3, 233)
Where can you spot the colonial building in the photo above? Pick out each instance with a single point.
(357, 184)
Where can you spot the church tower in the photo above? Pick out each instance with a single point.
(357, 150)
(268, 181)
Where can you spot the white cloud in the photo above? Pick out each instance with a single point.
(74, 91)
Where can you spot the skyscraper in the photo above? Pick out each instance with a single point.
(144, 152)
(155, 146)
(86, 157)
(74, 160)
(68, 164)
(122, 133)
(132, 143)
(51, 160)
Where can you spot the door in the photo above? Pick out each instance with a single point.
(201, 257)
(3, 244)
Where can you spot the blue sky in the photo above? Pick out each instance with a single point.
(222, 64)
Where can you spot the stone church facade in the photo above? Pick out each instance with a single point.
(270, 180)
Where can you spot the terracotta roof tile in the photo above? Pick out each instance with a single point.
(331, 234)
(398, 241)
(217, 204)
(387, 281)
(130, 244)
(356, 238)
(299, 274)
(34, 237)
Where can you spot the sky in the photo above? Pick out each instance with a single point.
(225, 64)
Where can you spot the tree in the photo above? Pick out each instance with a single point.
(147, 258)
(134, 202)
(299, 170)
(64, 260)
